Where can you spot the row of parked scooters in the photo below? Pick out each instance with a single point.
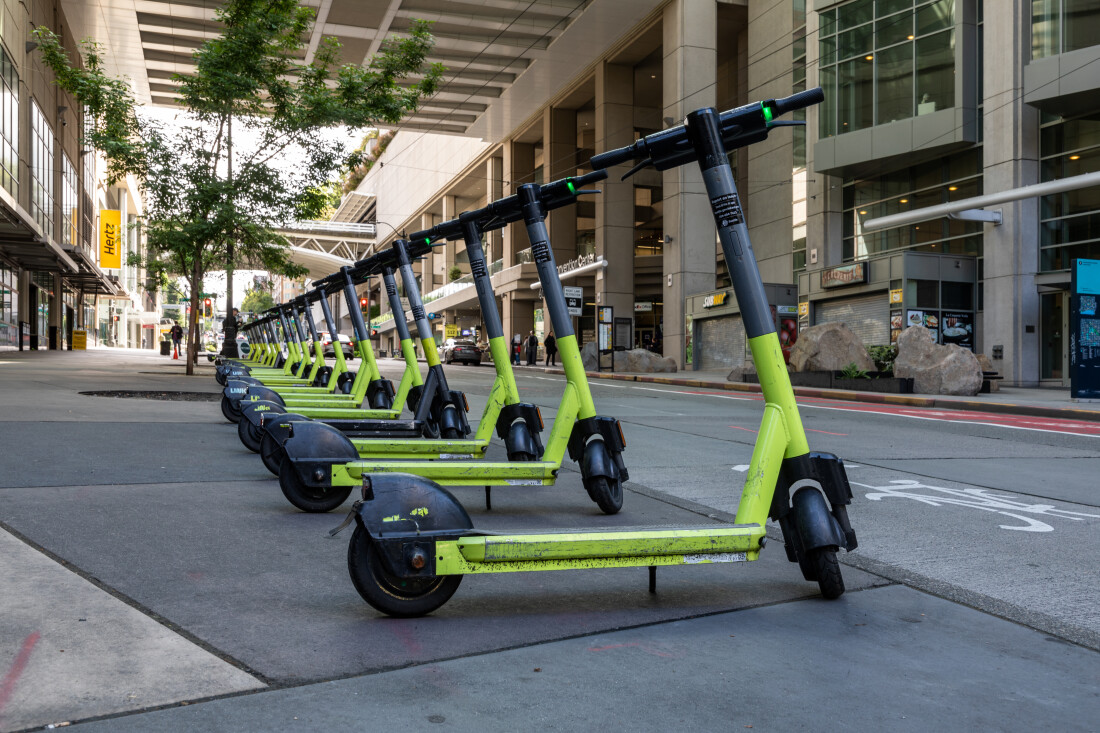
(326, 431)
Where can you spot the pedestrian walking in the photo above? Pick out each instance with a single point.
(516, 348)
(532, 349)
(551, 345)
(177, 335)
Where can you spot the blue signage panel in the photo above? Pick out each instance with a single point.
(1084, 337)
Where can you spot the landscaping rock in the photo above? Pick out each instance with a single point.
(643, 360)
(936, 369)
(588, 357)
(829, 347)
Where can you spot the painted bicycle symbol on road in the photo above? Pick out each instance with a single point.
(982, 499)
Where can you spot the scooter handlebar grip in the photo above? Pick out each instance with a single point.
(801, 100)
(597, 175)
(603, 161)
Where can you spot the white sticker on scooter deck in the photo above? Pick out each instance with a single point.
(524, 482)
(455, 456)
(715, 557)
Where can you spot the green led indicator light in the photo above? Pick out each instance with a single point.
(572, 188)
(767, 112)
(427, 240)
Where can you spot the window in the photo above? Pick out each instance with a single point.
(1069, 225)
(9, 307)
(1059, 26)
(952, 178)
(885, 60)
(69, 234)
(9, 125)
(42, 191)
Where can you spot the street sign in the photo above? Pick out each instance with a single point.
(574, 299)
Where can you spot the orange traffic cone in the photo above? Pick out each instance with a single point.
(175, 352)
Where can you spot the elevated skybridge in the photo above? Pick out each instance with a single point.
(326, 246)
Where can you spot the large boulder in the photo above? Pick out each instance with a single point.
(634, 360)
(829, 347)
(642, 360)
(936, 369)
(589, 352)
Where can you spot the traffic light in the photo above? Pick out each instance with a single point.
(207, 309)
(364, 304)
(374, 333)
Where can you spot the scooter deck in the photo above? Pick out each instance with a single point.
(440, 448)
(336, 415)
(459, 473)
(600, 547)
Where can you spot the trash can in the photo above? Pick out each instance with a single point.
(165, 348)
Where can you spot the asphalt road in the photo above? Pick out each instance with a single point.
(154, 578)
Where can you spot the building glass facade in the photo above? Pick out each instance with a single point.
(1070, 221)
(9, 307)
(9, 125)
(885, 60)
(1060, 26)
(940, 181)
(42, 157)
(69, 233)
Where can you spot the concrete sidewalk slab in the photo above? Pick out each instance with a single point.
(71, 650)
(879, 660)
(241, 569)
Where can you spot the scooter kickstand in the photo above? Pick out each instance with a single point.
(488, 499)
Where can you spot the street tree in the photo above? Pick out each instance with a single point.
(206, 207)
(257, 300)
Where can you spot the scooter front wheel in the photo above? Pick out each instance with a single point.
(606, 492)
(312, 499)
(249, 434)
(231, 413)
(271, 453)
(827, 571)
(394, 596)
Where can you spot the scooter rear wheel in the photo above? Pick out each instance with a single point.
(607, 493)
(312, 499)
(827, 569)
(271, 453)
(249, 434)
(394, 596)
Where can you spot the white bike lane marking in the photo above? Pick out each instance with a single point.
(982, 499)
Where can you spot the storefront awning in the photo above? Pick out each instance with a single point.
(22, 240)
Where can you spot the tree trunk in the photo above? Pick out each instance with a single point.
(193, 327)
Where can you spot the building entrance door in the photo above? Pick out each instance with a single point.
(1053, 329)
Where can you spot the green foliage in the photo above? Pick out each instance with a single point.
(257, 300)
(454, 273)
(360, 162)
(852, 371)
(202, 201)
(883, 356)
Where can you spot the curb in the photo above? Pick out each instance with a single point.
(1002, 408)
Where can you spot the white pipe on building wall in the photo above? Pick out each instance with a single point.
(977, 202)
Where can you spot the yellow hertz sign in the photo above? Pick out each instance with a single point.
(712, 301)
(110, 239)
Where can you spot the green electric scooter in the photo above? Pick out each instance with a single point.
(348, 390)
(321, 466)
(413, 541)
(517, 424)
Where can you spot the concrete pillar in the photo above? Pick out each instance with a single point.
(615, 206)
(494, 190)
(57, 309)
(1011, 153)
(559, 134)
(690, 77)
(519, 168)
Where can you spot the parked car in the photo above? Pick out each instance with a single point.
(345, 343)
(463, 350)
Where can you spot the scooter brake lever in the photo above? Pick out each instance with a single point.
(635, 169)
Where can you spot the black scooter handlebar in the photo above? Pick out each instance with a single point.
(741, 126)
(508, 209)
